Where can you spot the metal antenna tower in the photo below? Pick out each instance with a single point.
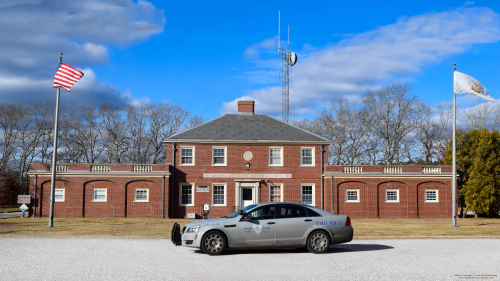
(287, 59)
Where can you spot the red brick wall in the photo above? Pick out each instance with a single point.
(120, 190)
(120, 196)
(236, 164)
(434, 209)
(393, 209)
(144, 209)
(372, 197)
(114, 205)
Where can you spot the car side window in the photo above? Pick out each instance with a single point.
(311, 213)
(263, 213)
(291, 211)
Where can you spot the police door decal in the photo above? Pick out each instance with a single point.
(257, 228)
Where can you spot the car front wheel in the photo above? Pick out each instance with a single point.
(318, 242)
(213, 243)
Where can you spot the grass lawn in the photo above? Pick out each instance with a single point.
(5, 209)
(425, 227)
(160, 228)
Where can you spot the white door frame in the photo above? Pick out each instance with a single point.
(246, 183)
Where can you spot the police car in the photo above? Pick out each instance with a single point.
(267, 225)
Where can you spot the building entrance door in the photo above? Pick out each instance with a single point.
(247, 197)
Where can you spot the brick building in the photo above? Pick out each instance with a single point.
(237, 160)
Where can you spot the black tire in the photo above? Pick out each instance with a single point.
(214, 243)
(318, 242)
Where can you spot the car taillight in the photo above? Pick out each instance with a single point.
(348, 222)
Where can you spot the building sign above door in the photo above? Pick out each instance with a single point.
(247, 176)
(202, 189)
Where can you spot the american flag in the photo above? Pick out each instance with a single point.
(66, 76)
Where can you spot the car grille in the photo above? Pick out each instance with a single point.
(183, 229)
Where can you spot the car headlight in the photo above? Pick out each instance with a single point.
(192, 229)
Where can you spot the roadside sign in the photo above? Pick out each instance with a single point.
(23, 208)
(23, 199)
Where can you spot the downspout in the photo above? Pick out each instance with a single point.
(331, 187)
(34, 197)
(172, 183)
(163, 199)
(322, 187)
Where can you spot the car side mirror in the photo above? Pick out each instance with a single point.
(246, 218)
(240, 212)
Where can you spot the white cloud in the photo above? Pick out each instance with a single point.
(34, 32)
(86, 89)
(137, 102)
(394, 51)
(267, 45)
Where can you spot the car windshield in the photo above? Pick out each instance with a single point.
(235, 214)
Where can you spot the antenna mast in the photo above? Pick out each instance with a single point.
(287, 59)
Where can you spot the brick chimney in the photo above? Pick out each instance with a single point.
(246, 106)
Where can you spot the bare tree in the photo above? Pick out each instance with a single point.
(445, 110)
(429, 135)
(80, 133)
(137, 121)
(496, 120)
(478, 116)
(164, 120)
(195, 121)
(344, 125)
(114, 132)
(30, 130)
(314, 126)
(46, 114)
(393, 111)
(149, 124)
(10, 114)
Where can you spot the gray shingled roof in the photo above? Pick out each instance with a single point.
(246, 127)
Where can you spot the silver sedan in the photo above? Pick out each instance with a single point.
(267, 225)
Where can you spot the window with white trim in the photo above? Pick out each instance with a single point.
(59, 195)
(141, 195)
(219, 194)
(99, 194)
(307, 157)
(219, 156)
(431, 195)
(275, 193)
(392, 195)
(186, 194)
(275, 156)
(307, 194)
(352, 195)
(187, 156)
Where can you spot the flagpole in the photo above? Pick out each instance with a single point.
(54, 157)
(454, 177)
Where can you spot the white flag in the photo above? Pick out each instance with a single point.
(464, 84)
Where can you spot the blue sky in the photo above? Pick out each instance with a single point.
(205, 55)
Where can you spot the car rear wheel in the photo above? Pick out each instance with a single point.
(213, 243)
(318, 242)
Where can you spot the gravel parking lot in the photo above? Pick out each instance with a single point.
(158, 259)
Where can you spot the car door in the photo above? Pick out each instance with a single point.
(261, 230)
(293, 224)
